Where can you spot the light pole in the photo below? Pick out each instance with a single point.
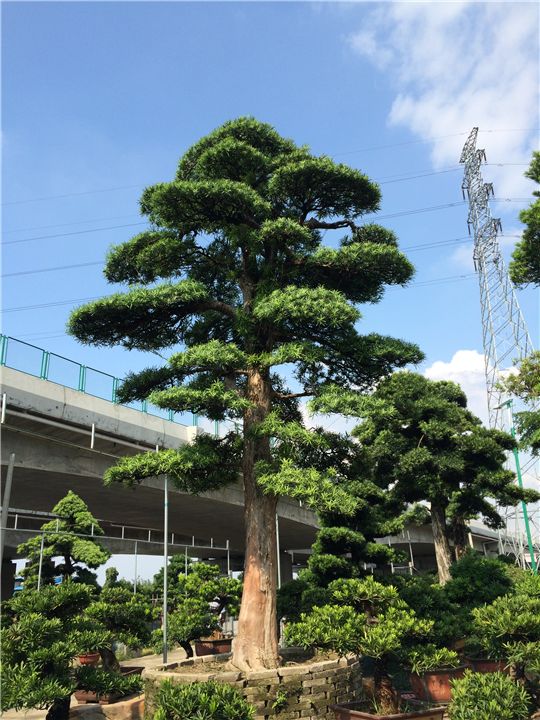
(508, 404)
(165, 562)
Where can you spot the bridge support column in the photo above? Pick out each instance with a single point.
(285, 567)
(7, 580)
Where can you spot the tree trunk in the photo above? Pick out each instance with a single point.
(59, 710)
(386, 696)
(256, 644)
(443, 554)
(109, 660)
(186, 646)
(459, 533)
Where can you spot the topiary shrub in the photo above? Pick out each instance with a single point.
(102, 682)
(488, 696)
(369, 619)
(192, 620)
(201, 701)
(477, 580)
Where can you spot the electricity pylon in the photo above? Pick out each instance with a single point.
(505, 336)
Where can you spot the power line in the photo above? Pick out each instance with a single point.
(73, 194)
(75, 232)
(75, 222)
(390, 179)
(434, 281)
(52, 304)
(51, 269)
(409, 248)
(348, 152)
(115, 227)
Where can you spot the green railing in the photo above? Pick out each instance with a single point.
(46, 365)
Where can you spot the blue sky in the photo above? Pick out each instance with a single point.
(100, 99)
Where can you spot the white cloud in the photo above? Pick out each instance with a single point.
(467, 369)
(333, 422)
(455, 66)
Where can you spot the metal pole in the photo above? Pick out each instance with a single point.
(40, 561)
(278, 551)
(185, 561)
(165, 562)
(534, 568)
(4, 402)
(5, 505)
(135, 570)
(228, 560)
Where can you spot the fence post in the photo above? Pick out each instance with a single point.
(82, 378)
(45, 358)
(114, 389)
(3, 349)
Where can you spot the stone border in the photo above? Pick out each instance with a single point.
(297, 691)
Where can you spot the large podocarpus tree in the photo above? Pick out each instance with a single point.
(234, 271)
(423, 442)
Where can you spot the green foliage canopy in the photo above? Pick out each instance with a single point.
(74, 537)
(525, 265)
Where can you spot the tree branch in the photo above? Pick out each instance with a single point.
(218, 306)
(286, 396)
(314, 224)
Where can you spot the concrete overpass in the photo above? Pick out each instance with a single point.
(65, 438)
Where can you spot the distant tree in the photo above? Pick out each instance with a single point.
(346, 544)
(526, 385)
(245, 285)
(525, 263)
(424, 445)
(196, 601)
(40, 639)
(73, 537)
(124, 615)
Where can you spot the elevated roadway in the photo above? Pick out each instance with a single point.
(64, 439)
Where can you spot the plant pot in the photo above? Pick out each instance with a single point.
(213, 647)
(131, 669)
(434, 686)
(485, 665)
(88, 696)
(89, 658)
(356, 711)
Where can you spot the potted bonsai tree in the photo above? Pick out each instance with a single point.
(509, 629)
(210, 699)
(367, 619)
(89, 640)
(490, 696)
(191, 620)
(124, 617)
(432, 670)
(40, 639)
(199, 597)
(96, 684)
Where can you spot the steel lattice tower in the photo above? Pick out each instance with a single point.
(505, 336)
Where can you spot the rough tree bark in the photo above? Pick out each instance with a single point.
(459, 535)
(443, 553)
(59, 710)
(256, 643)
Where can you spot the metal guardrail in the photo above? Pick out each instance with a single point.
(31, 523)
(46, 365)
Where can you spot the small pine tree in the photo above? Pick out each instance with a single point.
(73, 537)
(40, 637)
